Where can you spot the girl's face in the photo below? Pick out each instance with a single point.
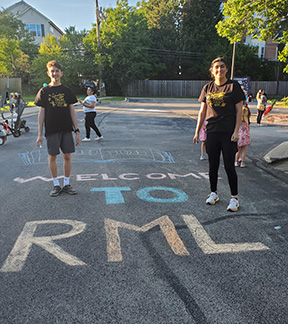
(89, 91)
(219, 70)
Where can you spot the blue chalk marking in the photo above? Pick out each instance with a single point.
(100, 156)
(113, 195)
(144, 194)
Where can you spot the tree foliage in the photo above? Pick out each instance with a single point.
(13, 28)
(199, 36)
(15, 45)
(68, 50)
(261, 19)
(157, 39)
(13, 62)
(122, 54)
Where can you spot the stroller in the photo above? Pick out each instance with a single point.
(14, 126)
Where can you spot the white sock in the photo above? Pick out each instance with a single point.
(66, 181)
(56, 181)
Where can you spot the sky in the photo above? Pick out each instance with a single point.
(65, 13)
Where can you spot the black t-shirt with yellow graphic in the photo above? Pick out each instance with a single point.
(56, 101)
(221, 105)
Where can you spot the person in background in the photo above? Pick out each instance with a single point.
(246, 95)
(89, 107)
(58, 114)
(261, 105)
(221, 105)
(244, 137)
(202, 138)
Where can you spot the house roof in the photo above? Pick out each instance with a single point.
(28, 7)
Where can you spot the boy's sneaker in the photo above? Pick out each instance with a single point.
(202, 157)
(233, 205)
(55, 191)
(99, 138)
(69, 190)
(86, 139)
(212, 198)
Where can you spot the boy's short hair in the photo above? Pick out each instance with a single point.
(54, 63)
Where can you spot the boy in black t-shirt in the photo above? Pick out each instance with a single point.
(58, 114)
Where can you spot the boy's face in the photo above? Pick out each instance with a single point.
(54, 74)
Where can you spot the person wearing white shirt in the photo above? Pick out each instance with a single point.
(89, 108)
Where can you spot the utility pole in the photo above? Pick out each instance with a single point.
(97, 22)
(101, 84)
(233, 61)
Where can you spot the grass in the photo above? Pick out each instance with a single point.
(114, 99)
(30, 99)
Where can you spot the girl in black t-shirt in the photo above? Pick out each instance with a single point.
(221, 105)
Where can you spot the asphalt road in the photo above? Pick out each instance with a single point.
(138, 244)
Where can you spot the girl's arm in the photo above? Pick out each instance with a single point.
(201, 118)
(235, 135)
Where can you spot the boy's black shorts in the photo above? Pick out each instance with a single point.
(57, 141)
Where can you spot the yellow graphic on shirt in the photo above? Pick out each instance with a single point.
(216, 99)
(57, 100)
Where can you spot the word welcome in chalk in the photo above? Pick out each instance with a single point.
(16, 259)
(123, 176)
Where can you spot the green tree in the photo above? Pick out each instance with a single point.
(68, 50)
(164, 21)
(261, 19)
(123, 53)
(13, 28)
(13, 62)
(50, 49)
(199, 37)
(81, 60)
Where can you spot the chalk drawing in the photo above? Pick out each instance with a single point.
(166, 226)
(113, 195)
(124, 176)
(23, 245)
(208, 246)
(17, 257)
(144, 194)
(103, 156)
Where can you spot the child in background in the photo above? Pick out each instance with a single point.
(244, 137)
(202, 138)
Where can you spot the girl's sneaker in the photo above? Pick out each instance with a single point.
(99, 138)
(242, 164)
(233, 205)
(236, 163)
(212, 198)
(202, 157)
(86, 139)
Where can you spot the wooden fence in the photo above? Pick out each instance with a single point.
(190, 88)
(10, 85)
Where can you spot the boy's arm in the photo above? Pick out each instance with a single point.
(75, 123)
(41, 116)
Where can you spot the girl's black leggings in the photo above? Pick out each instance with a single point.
(89, 123)
(216, 143)
(259, 116)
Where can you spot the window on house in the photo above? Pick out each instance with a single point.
(262, 52)
(35, 30)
